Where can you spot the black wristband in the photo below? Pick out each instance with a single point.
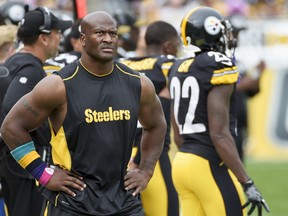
(247, 184)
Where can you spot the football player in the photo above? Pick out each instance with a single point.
(207, 171)
(162, 44)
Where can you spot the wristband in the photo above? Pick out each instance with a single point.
(46, 176)
(247, 184)
(31, 161)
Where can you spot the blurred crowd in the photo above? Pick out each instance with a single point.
(170, 9)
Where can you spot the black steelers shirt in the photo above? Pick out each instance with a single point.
(96, 139)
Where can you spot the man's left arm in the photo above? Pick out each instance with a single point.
(152, 119)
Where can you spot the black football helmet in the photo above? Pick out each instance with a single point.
(206, 29)
(11, 12)
(125, 22)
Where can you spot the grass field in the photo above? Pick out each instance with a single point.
(271, 178)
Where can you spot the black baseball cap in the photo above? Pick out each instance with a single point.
(37, 21)
(73, 32)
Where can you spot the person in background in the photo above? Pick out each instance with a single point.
(7, 41)
(39, 31)
(162, 44)
(128, 31)
(7, 48)
(207, 171)
(248, 86)
(93, 112)
(71, 50)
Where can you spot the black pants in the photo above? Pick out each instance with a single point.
(20, 192)
(51, 210)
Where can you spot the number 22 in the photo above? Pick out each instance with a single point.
(189, 85)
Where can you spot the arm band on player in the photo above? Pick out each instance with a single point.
(31, 161)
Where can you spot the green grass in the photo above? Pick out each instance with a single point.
(271, 178)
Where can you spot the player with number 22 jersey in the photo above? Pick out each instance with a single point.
(191, 80)
(197, 161)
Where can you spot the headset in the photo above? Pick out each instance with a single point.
(46, 27)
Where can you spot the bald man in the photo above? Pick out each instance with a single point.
(93, 112)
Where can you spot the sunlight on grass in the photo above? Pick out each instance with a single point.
(271, 179)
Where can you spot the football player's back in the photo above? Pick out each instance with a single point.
(202, 90)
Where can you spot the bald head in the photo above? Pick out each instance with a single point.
(98, 37)
(95, 19)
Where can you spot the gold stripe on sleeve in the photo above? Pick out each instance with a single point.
(28, 158)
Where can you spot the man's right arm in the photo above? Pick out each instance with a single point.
(31, 110)
(45, 100)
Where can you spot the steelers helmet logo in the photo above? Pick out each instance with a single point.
(212, 25)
